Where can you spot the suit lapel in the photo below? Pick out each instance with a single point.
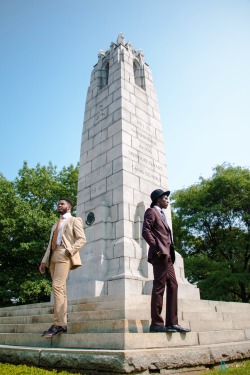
(65, 224)
(165, 223)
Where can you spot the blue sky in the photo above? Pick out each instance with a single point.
(199, 54)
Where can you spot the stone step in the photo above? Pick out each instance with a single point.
(112, 326)
(196, 306)
(143, 303)
(215, 316)
(211, 325)
(100, 340)
(123, 325)
(78, 316)
(113, 303)
(81, 316)
(220, 325)
(217, 337)
(45, 310)
(222, 304)
(231, 306)
(236, 316)
(27, 312)
(30, 306)
(108, 300)
(132, 314)
(140, 299)
(30, 319)
(202, 315)
(42, 316)
(241, 324)
(124, 340)
(102, 326)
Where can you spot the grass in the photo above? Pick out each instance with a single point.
(7, 369)
(237, 368)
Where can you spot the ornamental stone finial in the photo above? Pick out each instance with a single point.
(101, 53)
(120, 39)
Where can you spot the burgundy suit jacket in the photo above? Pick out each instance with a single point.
(157, 235)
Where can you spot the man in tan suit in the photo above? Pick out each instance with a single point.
(66, 238)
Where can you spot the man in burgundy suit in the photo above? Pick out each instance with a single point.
(161, 255)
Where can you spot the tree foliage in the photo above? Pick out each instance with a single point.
(27, 212)
(211, 225)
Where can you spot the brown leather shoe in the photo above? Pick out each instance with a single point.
(54, 330)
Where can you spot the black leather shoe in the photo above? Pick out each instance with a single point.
(178, 328)
(54, 330)
(161, 329)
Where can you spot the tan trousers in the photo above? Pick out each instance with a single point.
(59, 270)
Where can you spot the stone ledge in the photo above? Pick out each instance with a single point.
(162, 361)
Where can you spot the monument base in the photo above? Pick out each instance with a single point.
(167, 361)
(185, 290)
(111, 334)
(91, 288)
(125, 287)
(127, 281)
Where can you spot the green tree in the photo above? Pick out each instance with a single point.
(27, 212)
(211, 227)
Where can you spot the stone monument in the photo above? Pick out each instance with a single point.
(122, 161)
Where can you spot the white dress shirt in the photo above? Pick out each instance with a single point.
(59, 236)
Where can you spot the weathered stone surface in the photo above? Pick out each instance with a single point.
(230, 351)
(20, 355)
(185, 361)
(214, 337)
(122, 161)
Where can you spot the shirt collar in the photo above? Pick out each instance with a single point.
(158, 208)
(66, 216)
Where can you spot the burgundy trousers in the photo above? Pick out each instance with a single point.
(164, 275)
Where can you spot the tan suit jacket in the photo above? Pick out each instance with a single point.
(73, 238)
